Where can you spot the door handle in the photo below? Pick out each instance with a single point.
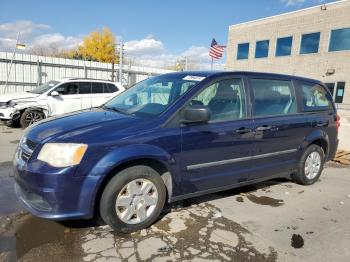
(320, 123)
(266, 128)
(243, 130)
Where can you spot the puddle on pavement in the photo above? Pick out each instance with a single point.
(8, 200)
(266, 201)
(297, 241)
(239, 199)
(37, 238)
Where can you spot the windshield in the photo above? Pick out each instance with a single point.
(152, 96)
(44, 87)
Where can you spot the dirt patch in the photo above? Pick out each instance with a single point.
(240, 199)
(266, 201)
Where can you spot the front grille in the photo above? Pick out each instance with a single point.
(30, 144)
(25, 156)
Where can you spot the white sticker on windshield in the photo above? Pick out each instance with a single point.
(194, 78)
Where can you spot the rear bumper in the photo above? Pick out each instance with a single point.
(332, 150)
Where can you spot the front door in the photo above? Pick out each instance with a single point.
(216, 154)
(67, 101)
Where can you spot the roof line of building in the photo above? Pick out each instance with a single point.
(288, 13)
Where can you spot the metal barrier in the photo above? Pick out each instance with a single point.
(28, 71)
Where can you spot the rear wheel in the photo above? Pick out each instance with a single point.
(133, 199)
(31, 116)
(310, 166)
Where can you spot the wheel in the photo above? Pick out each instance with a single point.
(30, 116)
(310, 166)
(133, 199)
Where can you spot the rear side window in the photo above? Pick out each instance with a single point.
(110, 88)
(97, 88)
(272, 97)
(84, 88)
(315, 97)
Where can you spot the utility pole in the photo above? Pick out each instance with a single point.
(13, 57)
(121, 53)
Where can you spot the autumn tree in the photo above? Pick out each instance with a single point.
(97, 46)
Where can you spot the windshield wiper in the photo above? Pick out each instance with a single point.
(115, 109)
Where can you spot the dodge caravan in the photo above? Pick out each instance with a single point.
(172, 137)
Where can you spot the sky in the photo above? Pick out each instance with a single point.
(155, 32)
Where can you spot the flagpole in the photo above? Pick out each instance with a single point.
(212, 60)
(13, 57)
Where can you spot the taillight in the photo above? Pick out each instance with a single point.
(337, 122)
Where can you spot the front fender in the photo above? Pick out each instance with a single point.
(131, 152)
(125, 154)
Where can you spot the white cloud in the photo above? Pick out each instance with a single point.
(35, 36)
(24, 27)
(152, 52)
(292, 2)
(145, 52)
(56, 40)
(147, 46)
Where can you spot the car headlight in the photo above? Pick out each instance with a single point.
(62, 154)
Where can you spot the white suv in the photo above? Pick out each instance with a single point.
(55, 98)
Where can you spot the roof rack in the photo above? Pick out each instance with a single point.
(83, 78)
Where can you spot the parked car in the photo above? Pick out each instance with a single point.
(172, 137)
(55, 98)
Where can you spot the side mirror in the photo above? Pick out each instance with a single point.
(54, 93)
(195, 114)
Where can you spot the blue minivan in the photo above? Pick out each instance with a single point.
(172, 137)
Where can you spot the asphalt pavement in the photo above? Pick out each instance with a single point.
(271, 221)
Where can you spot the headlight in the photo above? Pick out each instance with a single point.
(62, 154)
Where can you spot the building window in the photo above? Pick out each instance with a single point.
(340, 40)
(243, 51)
(331, 87)
(284, 46)
(339, 94)
(262, 49)
(310, 43)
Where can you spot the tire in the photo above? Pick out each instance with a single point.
(310, 155)
(127, 218)
(30, 116)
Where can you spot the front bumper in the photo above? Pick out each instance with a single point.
(7, 113)
(53, 193)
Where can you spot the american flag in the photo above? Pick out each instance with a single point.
(216, 50)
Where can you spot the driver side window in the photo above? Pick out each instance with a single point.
(68, 89)
(225, 100)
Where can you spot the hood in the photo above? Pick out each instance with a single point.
(23, 95)
(90, 126)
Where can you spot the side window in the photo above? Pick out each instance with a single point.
(272, 97)
(110, 88)
(315, 97)
(97, 88)
(68, 89)
(225, 100)
(84, 88)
